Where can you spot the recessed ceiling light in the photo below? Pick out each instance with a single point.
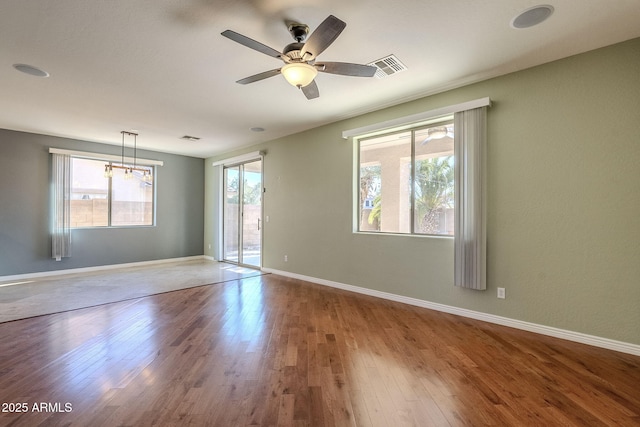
(532, 16)
(257, 129)
(31, 70)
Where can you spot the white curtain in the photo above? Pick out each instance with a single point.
(470, 212)
(61, 234)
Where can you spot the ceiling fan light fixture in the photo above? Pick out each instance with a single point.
(299, 74)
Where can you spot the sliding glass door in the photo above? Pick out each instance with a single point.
(243, 213)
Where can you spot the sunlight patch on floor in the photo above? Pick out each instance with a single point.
(54, 294)
(16, 283)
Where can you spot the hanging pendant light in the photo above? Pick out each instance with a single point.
(147, 175)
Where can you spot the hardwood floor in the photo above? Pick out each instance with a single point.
(270, 350)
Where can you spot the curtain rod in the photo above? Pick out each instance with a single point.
(255, 155)
(416, 118)
(105, 157)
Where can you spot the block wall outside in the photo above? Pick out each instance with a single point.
(251, 233)
(94, 213)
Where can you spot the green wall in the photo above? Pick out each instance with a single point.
(564, 196)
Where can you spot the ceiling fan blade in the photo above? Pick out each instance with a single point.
(346, 69)
(322, 37)
(251, 44)
(260, 76)
(311, 90)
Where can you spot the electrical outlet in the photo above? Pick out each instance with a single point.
(501, 293)
(286, 258)
(209, 245)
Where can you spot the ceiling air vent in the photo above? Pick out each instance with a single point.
(387, 66)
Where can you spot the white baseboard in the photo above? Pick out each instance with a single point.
(96, 268)
(592, 340)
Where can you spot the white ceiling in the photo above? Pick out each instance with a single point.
(161, 67)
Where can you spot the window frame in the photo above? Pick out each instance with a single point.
(412, 128)
(109, 160)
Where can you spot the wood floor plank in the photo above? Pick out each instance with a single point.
(269, 350)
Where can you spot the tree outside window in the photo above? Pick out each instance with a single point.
(406, 181)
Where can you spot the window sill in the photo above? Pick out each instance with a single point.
(112, 227)
(433, 236)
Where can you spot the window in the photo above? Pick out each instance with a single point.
(97, 201)
(382, 187)
(406, 181)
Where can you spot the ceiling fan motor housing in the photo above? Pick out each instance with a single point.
(292, 51)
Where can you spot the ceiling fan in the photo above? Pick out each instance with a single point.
(300, 67)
